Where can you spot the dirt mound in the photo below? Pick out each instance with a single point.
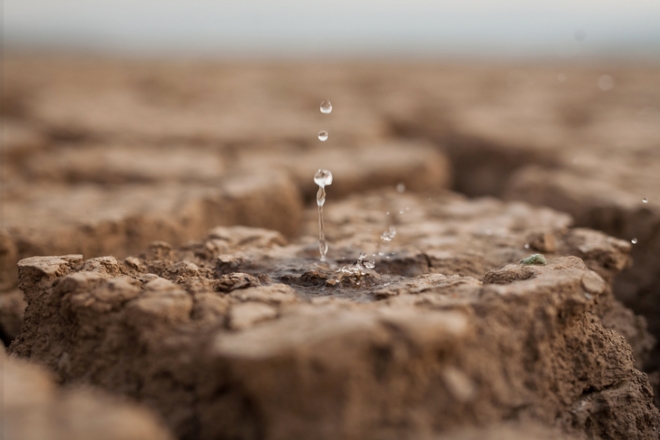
(33, 408)
(244, 336)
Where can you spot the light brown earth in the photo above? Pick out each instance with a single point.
(245, 336)
(33, 408)
(104, 156)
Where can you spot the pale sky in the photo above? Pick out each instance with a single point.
(564, 28)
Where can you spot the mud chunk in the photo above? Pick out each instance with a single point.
(34, 408)
(431, 345)
(247, 314)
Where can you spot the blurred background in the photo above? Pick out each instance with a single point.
(339, 29)
(126, 122)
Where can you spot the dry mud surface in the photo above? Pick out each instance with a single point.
(241, 332)
(244, 335)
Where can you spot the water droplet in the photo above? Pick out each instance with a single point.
(400, 211)
(561, 77)
(326, 107)
(323, 178)
(401, 187)
(645, 200)
(387, 213)
(389, 234)
(605, 83)
(323, 135)
(369, 264)
(633, 241)
(526, 246)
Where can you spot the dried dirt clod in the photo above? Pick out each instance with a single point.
(436, 349)
(593, 283)
(34, 408)
(247, 314)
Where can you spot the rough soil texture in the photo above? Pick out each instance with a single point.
(104, 156)
(242, 335)
(33, 408)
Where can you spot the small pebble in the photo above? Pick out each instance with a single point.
(534, 259)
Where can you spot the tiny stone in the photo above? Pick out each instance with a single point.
(535, 259)
(593, 283)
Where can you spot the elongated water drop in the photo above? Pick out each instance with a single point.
(326, 107)
(323, 135)
(322, 178)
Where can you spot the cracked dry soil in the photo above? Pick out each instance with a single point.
(246, 335)
(176, 322)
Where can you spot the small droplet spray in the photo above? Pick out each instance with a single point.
(322, 178)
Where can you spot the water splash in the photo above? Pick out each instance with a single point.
(389, 234)
(326, 107)
(323, 135)
(322, 178)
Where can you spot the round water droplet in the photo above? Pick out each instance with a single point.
(400, 211)
(323, 178)
(633, 241)
(369, 264)
(401, 187)
(526, 246)
(645, 200)
(323, 135)
(326, 107)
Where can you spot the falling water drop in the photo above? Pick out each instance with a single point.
(401, 187)
(369, 264)
(326, 107)
(645, 200)
(323, 135)
(633, 241)
(322, 178)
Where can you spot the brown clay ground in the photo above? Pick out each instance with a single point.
(241, 333)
